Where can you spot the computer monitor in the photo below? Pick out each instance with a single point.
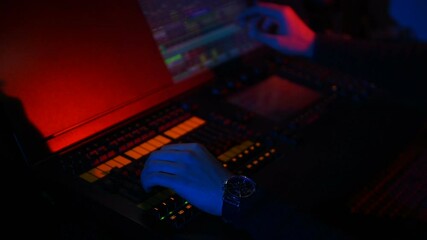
(197, 35)
(79, 67)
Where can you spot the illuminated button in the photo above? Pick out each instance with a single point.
(122, 160)
(141, 150)
(249, 166)
(258, 144)
(191, 124)
(104, 167)
(189, 206)
(197, 120)
(247, 144)
(230, 154)
(273, 150)
(224, 158)
(225, 165)
(179, 130)
(255, 162)
(181, 212)
(267, 154)
(240, 156)
(155, 143)
(185, 127)
(113, 163)
(172, 134)
(88, 177)
(97, 173)
(246, 152)
(234, 159)
(162, 139)
(173, 217)
(252, 148)
(262, 158)
(148, 146)
(133, 154)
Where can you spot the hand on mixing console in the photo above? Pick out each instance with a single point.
(279, 27)
(191, 171)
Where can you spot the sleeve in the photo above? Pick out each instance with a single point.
(396, 66)
(267, 218)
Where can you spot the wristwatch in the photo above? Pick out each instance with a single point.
(238, 191)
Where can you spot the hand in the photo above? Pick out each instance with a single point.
(291, 35)
(191, 171)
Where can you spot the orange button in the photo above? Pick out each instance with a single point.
(197, 120)
(133, 154)
(104, 167)
(155, 143)
(98, 173)
(179, 130)
(88, 177)
(148, 146)
(113, 163)
(141, 151)
(162, 139)
(191, 124)
(122, 160)
(185, 127)
(172, 134)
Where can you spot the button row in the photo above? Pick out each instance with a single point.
(184, 127)
(120, 161)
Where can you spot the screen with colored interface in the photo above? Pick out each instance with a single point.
(196, 35)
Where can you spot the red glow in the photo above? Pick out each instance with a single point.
(69, 61)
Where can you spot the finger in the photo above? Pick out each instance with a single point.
(150, 180)
(163, 166)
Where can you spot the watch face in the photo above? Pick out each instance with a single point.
(240, 186)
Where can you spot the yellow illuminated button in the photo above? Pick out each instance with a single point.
(141, 150)
(172, 218)
(113, 163)
(133, 154)
(162, 139)
(122, 160)
(97, 173)
(104, 167)
(181, 212)
(88, 177)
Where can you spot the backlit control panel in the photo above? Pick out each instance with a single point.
(114, 163)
